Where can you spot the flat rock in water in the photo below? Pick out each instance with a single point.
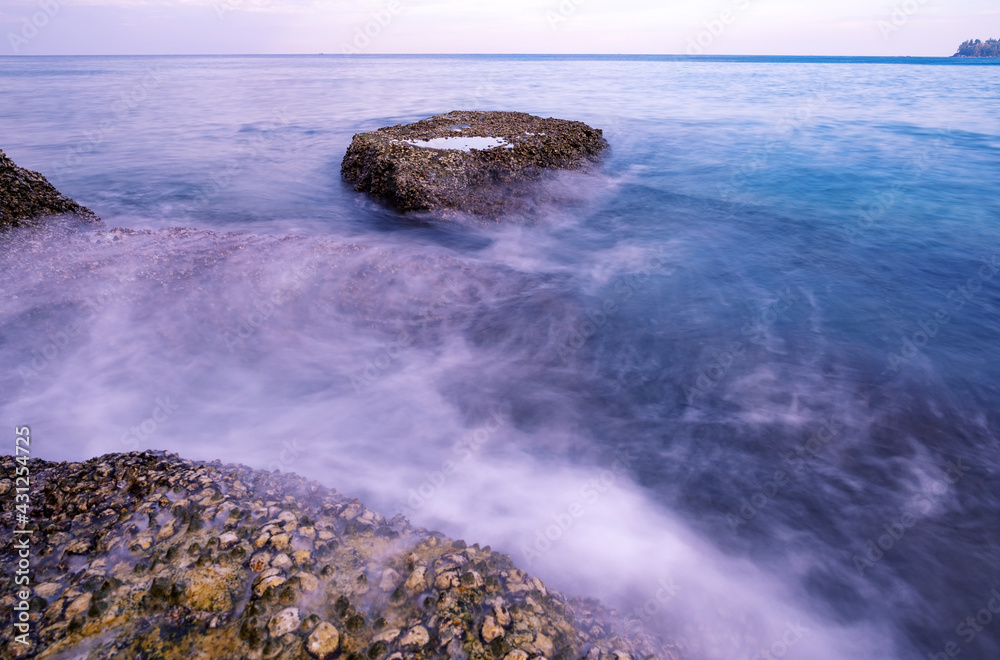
(26, 196)
(468, 161)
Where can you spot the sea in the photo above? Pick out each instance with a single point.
(739, 380)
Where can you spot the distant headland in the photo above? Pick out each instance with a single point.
(977, 48)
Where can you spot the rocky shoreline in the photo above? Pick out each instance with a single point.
(27, 196)
(147, 555)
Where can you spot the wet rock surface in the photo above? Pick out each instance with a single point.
(26, 196)
(146, 555)
(422, 167)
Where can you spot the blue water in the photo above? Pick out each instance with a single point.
(758, 342)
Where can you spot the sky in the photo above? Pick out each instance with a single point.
(719, 27)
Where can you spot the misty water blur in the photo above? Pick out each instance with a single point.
(604, 387)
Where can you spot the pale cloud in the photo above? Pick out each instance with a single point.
(805, 27)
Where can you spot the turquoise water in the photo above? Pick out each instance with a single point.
(756, 351)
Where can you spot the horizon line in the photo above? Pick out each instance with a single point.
(380, 54)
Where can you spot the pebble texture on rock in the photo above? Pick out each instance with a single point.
(385, 164)
(27, 196)
(146, 555)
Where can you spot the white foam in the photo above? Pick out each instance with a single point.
(463, 143)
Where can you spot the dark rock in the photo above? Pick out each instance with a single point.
(26, 196)
(508, 150)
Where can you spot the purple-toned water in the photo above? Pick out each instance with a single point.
(740, 383)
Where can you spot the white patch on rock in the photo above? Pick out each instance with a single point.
(417, 636)
(284, 622)
(464, 143)
(491, 630)
(228, 539)
(390, 579)
(417, 581)
(323, 641)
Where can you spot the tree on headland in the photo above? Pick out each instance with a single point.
(977, 48)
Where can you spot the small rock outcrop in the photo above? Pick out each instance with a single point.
(147, 555)
(26, 196)
(468, 161)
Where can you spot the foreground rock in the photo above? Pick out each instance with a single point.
(26, 196)
(465, 160)
(146, 555)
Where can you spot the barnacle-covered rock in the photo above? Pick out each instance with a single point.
(196, 586)
(26, 196)
(471, 161)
